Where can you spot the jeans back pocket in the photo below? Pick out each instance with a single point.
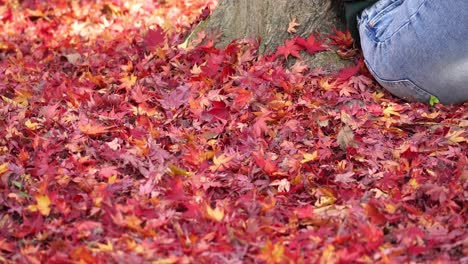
(383, 24)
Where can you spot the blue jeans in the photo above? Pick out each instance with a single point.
(418, 48)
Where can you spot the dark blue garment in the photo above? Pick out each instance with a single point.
(353, 9)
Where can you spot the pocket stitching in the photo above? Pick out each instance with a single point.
(380, 15)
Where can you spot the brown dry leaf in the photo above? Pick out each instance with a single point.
(73, 58)
(347, 119)
(345, 138)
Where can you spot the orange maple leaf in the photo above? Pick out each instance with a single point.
(272, 252)
(93, 129)
(341, 39)
(127, 82)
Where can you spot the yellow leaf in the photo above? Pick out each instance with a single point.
(456, 136)
(22, 97)
(324, 201)
(327, 84)
(143, 109)
(93, 129)
(327, 197)
(216, 214)
(3, 46)
(42, 204)
(377, 96)
(328, 255)
(174, 170)
(272, 253)
(10, 101)
(389, 111)
(128, 82)
(101, 247)
(133, 222)
(309, 157)
(220, 162)
(3, 168)
(413, 183)
(161, 52)
(31, 125)
(133, 246)
(169, 260)
(390, 208)
(431, 115)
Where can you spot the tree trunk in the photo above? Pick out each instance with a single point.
(269, 20)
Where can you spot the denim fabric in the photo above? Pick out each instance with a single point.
(418, 48)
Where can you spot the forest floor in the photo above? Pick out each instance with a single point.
(120, 145)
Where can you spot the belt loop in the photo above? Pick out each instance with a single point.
(362, 17)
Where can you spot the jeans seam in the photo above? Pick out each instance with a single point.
(418, 89)
(370, 29)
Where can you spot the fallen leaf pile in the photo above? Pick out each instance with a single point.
(120, 145)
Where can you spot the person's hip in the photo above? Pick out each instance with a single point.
(418, 48)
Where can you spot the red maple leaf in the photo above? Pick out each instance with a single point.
(343, 40)
(266, 164)
(311, 44)
(50, 111)
(346, 73)
(305, 212)
(289, 48)
(175, 190)
(219, 111)
(188, 148)
(139, 94)
(154, 37)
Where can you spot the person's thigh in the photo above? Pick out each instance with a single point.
(418, 48)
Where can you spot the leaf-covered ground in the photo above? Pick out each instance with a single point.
(119, 145)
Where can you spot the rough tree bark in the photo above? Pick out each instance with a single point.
(269, 20)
